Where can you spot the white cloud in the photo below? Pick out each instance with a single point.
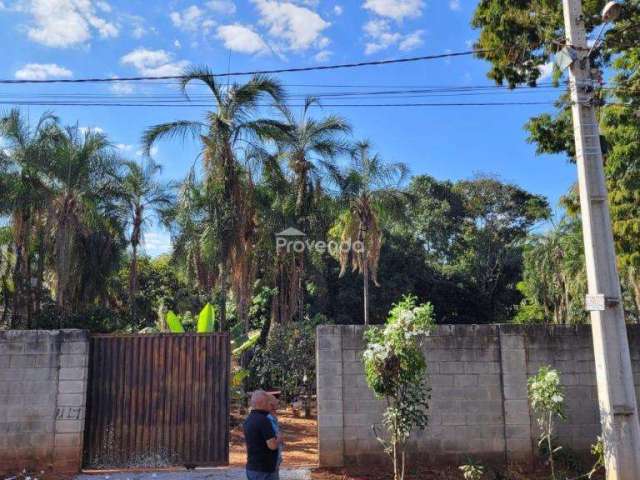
(104, 6)
(65, 23)
(323, 56)
(125, 147)
(156, 243)
(296, 28)
(189, 19)
(42, 71)
(177, 44)
(192, 19)
(137, 26)
(546, 71)
(2, 7)
(380, 36)
(338, 10)
(454, 5)
(395, 9)
(85, 130)
(154, 62)
(411, 41)
(224, 7)
(240, 38)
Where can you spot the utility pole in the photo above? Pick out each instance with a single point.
(616, 392)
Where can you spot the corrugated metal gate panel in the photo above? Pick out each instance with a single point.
(156, 400)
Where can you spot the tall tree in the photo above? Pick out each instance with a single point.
(308, 146)
(87, 233)
(143, 194)
(186, 220)
(24, 198)
(372, 191)
(554, 278)
(473, 232)
(232, 125)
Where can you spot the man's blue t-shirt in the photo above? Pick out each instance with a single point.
(276, 429)
(257, 430)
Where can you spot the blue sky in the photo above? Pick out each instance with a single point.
(84, 38)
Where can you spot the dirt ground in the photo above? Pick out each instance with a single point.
(301, 448)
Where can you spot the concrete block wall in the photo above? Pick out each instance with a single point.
(43, 378)
(478, 378)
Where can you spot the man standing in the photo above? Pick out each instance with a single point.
(261, 440)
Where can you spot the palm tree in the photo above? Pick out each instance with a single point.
(142, 193)
(229, 126)
(370, 189)
(26, 153)
(88, 228)
(185, 219)
(309, 146)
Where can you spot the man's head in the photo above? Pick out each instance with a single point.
(260, 400)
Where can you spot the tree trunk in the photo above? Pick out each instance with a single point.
(40, 274)
(133, 280)
(222, 302)
(17, 287)
(365, 275)
(28, 294)
(301, 288)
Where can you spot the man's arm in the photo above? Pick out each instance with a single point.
(273, 443)
(272, 440)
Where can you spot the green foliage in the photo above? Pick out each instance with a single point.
(519, 37)
(472, 232)
(597, 450)
(245, 343)
(95, 318)
(546, 397)
(206, 320)
(554, 281)
(287, 361)
(395, 370)
(173, 323)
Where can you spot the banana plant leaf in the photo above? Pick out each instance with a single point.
(249, 343)
(173, 322)
(206, 320)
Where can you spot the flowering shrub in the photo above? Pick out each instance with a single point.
(395, 370)
(547, 400)
(472, 471)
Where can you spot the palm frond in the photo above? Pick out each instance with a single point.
(178, 129)
(203, 74)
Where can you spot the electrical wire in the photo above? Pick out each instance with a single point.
(254, 72)
(350, 105)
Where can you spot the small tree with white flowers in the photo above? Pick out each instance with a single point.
(547, 400)
(395, 369)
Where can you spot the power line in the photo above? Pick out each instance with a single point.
(356, 105)
(255, 72)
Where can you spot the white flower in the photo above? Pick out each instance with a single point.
(557, 398)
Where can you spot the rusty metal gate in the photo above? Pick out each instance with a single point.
(158, 400)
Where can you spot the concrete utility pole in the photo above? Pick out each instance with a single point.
(616, 392)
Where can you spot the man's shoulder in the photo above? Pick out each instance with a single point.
(256, 418)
